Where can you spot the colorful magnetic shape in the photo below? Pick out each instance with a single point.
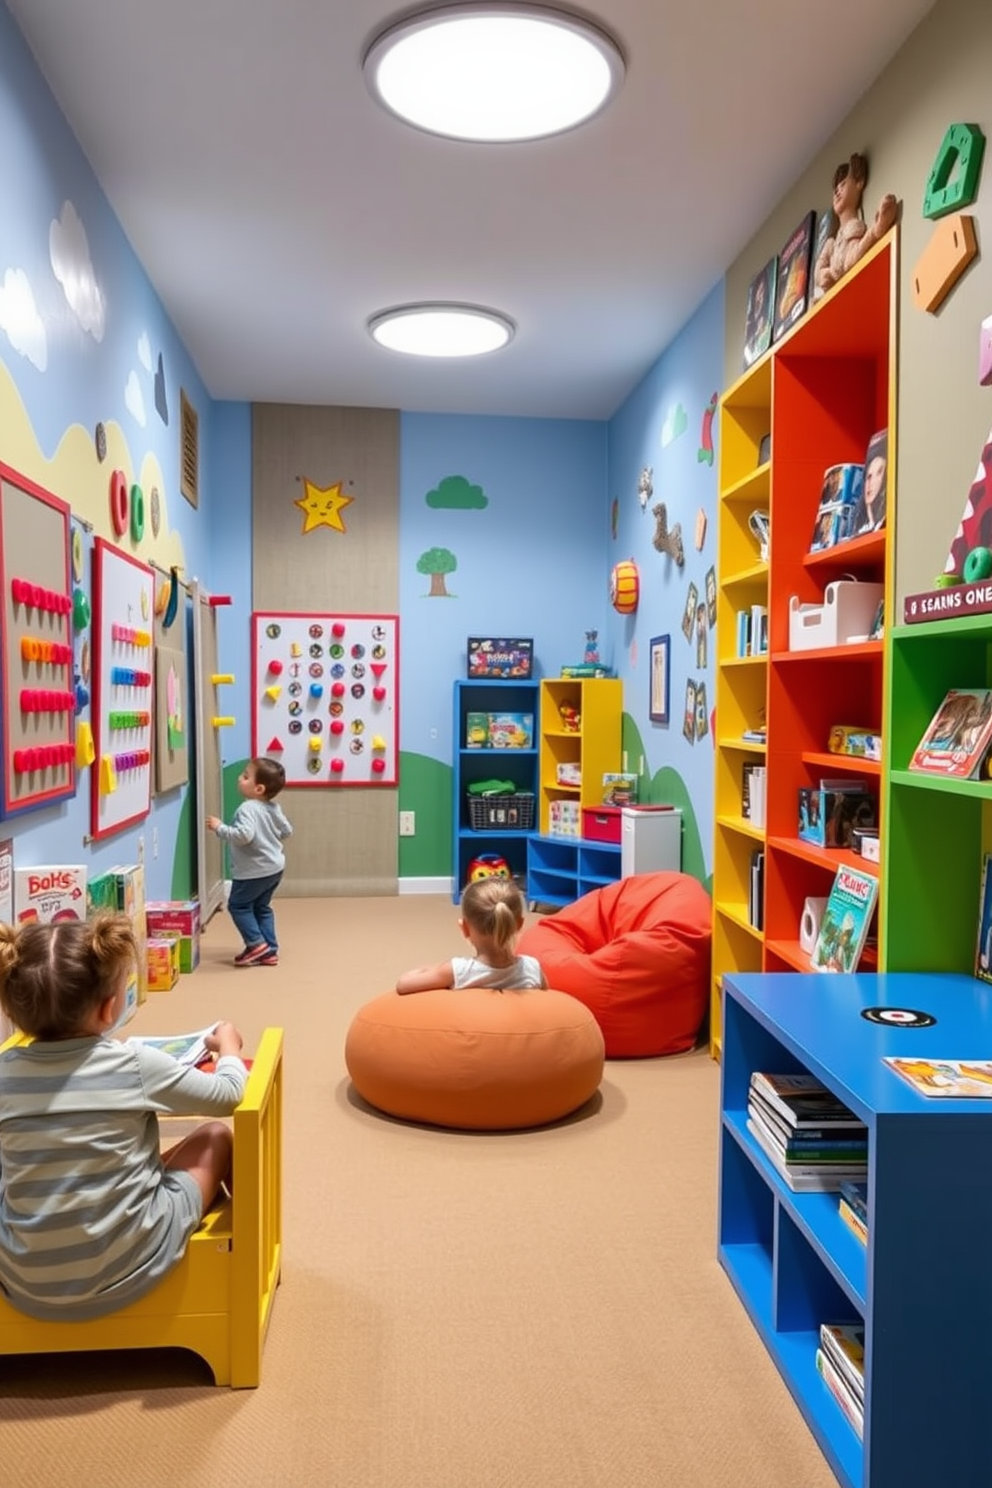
(315, 743)
(273, 693)
(950, 250)
(274, 746)
(338, 628)
(295, 649)
(337, 765)
(225, 722)
(953, 178)
(985, 353)
(378, 765)
(220, 678)
(108, 775)
(337, 727)
(338, 689)
(275, 666)
(377, 668)
(118, 504)
(316, 690)
(378, 742)
(137, 513)
(80, 610)
(379, 693)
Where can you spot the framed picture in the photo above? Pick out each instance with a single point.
(660, 681)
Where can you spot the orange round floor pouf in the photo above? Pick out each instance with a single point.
(637, 954)
(475, 1059)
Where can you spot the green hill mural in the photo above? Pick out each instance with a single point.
(667, 785)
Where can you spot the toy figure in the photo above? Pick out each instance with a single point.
(852, 236)
(570, 719)
(591, 657)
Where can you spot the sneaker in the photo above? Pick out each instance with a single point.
(270, 959)
(251, 954)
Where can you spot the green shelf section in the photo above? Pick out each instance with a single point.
(936, 829)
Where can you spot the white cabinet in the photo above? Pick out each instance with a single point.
(650, 839)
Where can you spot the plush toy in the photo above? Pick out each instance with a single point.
(488, 865)
(571, 720)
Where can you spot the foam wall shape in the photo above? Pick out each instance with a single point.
(950, 250)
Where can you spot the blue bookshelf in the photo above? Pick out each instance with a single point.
(474, 764)
(922, 1284)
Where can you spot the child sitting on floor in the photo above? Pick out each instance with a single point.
(492, 918)
(92, 1214)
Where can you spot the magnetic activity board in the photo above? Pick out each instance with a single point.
(123, 707)
(325, 693)
(38, 703)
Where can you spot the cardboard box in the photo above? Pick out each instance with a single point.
(830, 813)
(511, 731)
(477, 731)
(500, 656)
(564, 819)
(162, 960)
(49, 893)
(180, 918)
(568, 772)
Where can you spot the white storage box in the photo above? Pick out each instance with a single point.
(848, 609)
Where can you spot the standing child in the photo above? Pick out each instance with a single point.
(92, 1214)
(257, 860)
(492, 918)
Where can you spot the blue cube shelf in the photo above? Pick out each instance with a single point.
(923, 1284)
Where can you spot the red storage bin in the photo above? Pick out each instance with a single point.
(601, 823)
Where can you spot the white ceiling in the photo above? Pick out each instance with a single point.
(275, 206)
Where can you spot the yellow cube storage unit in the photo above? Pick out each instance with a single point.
(580, 728)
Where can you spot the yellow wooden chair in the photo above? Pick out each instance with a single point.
(218, 1300)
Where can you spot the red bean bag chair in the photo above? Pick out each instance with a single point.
(637, 954)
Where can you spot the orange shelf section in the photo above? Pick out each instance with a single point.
(823, 760)
(830, 858)
(792, 953)
(859, 651)
(857, 552)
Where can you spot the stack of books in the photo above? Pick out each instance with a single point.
(853, 1207)
(841, 1361)
(810, 1137)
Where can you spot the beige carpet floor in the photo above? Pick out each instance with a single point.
(526, 1310)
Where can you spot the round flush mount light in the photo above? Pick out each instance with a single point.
(494, 72)
(441, 330)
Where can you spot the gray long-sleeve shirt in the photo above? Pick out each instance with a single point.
(256, 837)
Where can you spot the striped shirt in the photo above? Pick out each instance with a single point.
(90, 1219)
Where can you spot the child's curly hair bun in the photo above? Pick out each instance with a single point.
(8, 950)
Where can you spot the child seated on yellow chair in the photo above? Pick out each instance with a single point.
(492, 918)
(92, 1214)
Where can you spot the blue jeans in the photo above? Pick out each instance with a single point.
(250, 907)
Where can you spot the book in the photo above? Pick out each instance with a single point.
(959, 1079)
(983, 950)
(844, 1346)
(792, 286)
(803, 1165)
(826, 223)
(747, 770)
(756, 896)
(853, 1221)
(840, 495)
(841, 1393)
(853, 1133)
(804, 1101)
(760, 313)
(856, 1195)
(834, 1147)
(869, 514)
(958, 736)
(799, 1180)
(846, 920)
(187, 1048)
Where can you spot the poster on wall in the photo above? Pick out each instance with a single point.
(325, 693)
(39, 752)
(171, 737)
(123, 692)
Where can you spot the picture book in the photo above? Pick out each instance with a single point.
(825, 226)
(958, 1079)
(854, 1222)
(958, 736)
(869, 514)
(760, 313)
(803, 1100)
(856, 1195)
(840, 497)
(187, 1048)
(846, 920)
(844, 1345)
(983, 950)
(794, 273)
(841, 1392)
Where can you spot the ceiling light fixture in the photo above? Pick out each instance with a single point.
(494, 72)
(441, 330)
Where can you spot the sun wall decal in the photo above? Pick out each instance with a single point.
(322, 506)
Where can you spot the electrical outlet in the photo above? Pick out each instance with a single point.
(408, 823)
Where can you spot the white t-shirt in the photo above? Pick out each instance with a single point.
(522, 972)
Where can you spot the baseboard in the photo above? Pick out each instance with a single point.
(426, 886)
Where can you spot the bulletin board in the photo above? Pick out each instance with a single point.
(38, 723)
(171, 713)
(325, 693)
(123, 694)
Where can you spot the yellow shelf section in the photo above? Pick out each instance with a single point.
(737, 915)
(595, 747)
(741, 824)
(751, 577)
(752, 488)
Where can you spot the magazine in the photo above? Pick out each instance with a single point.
(760, 311)
(794, 265)
(801, 1179)
(959, 1079)
(841, 496)
(804, 1101)
(844, 1346)
(845, 922)
(958, 736)
(187, 1048)
(869, 514)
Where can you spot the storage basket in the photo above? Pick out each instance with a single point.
(514, 812)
